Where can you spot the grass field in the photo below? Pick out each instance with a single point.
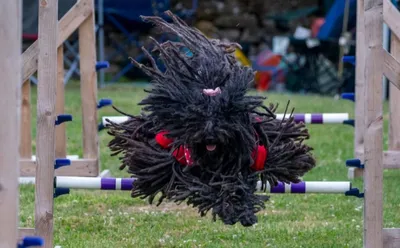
(112, 219)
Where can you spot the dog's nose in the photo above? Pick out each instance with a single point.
(209, 127)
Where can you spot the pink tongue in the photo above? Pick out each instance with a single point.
(211, 147)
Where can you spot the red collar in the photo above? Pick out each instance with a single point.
(182, 153)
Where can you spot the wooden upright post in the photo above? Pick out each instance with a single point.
(11, 75)
(81, 16)
(373, 136)
(46, 116)
(26, 125)
(391, 69)
(87, 52)
(394, 102)
(61, 136)
(359, 93)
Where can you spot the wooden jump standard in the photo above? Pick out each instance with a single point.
(390, 69)
(372, 63)
(81, 17)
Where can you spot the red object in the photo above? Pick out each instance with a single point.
(259, 156)
(316, 26)
(264, 81)
(264, 78)
(189, 160)
(182, 153)
(179, 154)
(163, 141)
(29, 36)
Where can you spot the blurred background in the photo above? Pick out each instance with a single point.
(294, 45)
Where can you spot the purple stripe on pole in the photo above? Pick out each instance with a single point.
(298, 188)
(126, 183)
(280, 188)
(317, 119)
(108, 183)
(299, 118)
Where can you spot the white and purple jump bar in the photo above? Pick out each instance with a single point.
(306, 187)
(318, 118)
(307, 118)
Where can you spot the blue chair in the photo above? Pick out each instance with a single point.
(124, 17)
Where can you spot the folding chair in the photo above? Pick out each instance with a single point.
(121, 16)
(321, 72)
(314, 69)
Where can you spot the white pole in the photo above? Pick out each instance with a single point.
(70, 157)
(318, 118)
(306, 187)
(308, 118)
(115, 119)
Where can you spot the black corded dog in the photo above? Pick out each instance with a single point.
(201, 138)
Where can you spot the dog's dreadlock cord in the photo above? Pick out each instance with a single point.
(201, 97)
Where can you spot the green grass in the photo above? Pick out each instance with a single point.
(113, 219)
